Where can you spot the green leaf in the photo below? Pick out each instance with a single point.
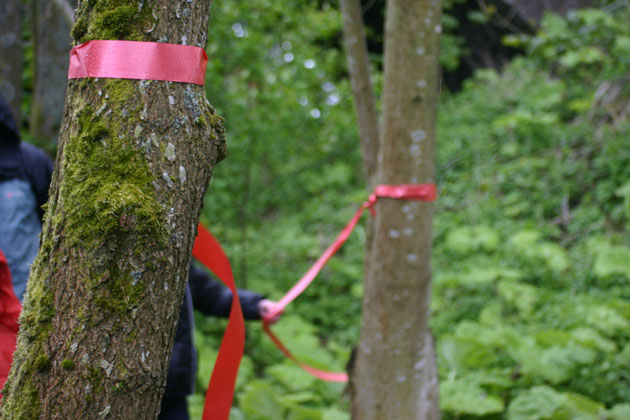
(622, 45)
(291, 399)
(591, 338)
(462, 397)
(259, 401)
(195, 405)
(304, 413)
(291, 376)
(462, 354)
(586, 55)
(555, 364)
(624, 190)
(549, 338)
(606, 319)
(488, 335)
(334, 414)
(539, 403)
(478, 276)
(620, 412)
(528, 243)
(579, 407)
(520, 295)
(554, 255)
(469, 239)
(612, 260)
(525, 239)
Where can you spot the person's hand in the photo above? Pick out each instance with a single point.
(269, 311)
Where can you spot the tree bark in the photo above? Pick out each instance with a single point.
(11, 54)
(395, 372)
(51, 30)
(355, 44)
(105, 291)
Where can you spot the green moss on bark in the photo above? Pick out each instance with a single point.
(27, 407)
(123, 292)
(120, 91)
(107, 190)
(42, 363)
(67, 364)
(112, 19)
(79, 30)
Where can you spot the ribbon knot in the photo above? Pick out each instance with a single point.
(370, 203)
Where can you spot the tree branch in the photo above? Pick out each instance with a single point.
(66, 9)
(355, 45)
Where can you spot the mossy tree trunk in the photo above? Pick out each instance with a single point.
(51, 33)
(395, 375)
(11, 54)
(105, 291)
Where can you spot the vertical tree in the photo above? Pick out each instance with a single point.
(51, 22)
(133, 164)
(11, 54)
(395, 375)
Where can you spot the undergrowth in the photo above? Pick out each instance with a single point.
(531, 308)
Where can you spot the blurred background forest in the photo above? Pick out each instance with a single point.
(531, 305)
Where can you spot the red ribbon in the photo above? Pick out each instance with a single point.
(421, 192)
(220, 391)
(207, 250)
(138, 60)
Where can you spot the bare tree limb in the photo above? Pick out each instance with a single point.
(359, 67)
(369, 5)
(66, 9)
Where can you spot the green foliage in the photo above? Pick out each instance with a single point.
(463, 396)
(531, 309)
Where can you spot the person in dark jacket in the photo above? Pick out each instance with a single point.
(25, 174)
(211, 298)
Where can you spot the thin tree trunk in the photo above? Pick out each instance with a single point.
(11, 54)
(105, 291)
(355, 44)
(395, 373)
(51, 30)
(66, 8)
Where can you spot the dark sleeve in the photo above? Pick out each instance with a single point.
(38, 167)
(213, 298)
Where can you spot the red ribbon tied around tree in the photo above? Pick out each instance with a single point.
(417, 192)
(138, 60)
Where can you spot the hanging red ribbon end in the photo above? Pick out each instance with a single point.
(220, 391)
